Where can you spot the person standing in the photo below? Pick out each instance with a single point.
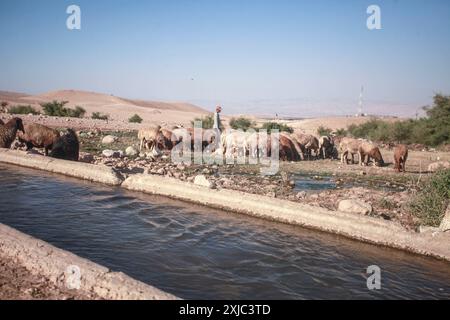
(216, 124)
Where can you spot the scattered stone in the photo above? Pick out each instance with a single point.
(445, 224)
(301, 195)
(362, 173)
(112, 153)
(109, 139)
(354, 206)
(131, 151)
(86, 157)
(435, 166)
(428, 229)
(201, 180)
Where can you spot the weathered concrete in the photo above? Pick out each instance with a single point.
(81, 170)
(45, 260)
(368, 229)
(355, 226)
(445, 224)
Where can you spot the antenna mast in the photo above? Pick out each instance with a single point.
(360, 105)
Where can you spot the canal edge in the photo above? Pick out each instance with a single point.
(358, 227)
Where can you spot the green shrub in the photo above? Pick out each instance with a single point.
(322, 131)
(57, 109)
(207, 122)
(99, 116)
(277, 126)
(341, 132)
(135, 119)
(21, 109)
(241, 123)
(430, 202)
(432, 130)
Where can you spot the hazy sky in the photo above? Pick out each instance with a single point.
(270, 56)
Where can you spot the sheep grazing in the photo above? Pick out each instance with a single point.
(326, 147)
(39, 136)
(307, 142)
(8, 132)
(66, 147)
(349, 146)
(400, 156)
(147, 137)
(367, 151)
(288, 150)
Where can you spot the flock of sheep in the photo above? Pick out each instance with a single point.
(62, 145)
(292, 146)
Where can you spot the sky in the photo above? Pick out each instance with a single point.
(299, 58)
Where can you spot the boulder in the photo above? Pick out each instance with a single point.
(354, 206)
(435, 166)
(112, 153)
(131, 151)
(201, 180)
(109, 139)
(445, 224)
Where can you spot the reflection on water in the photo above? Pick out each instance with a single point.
(197, 252)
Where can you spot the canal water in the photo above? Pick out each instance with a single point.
(201, 253)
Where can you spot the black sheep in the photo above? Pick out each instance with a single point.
(66, 147)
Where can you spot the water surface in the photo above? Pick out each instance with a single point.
(197, 252)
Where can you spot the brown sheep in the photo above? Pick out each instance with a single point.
(66, 147)
(1, 122)
(368, 150)
(400, 156)
(308, 142)
(348, 146)
(147, 137)
(298, 150)
(288, 150)
(8, 132)
(39, 136)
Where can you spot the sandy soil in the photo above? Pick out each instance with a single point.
(17, 283)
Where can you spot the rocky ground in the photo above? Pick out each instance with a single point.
(17, 283)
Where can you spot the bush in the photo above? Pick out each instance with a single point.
(21, 109)
(430, 202)
(322, 131)
(135, 119)
(207, 122)
(57, 109)
(432, 130)
(241, 123)
(274, 126)
(341, 132)
(99, 116)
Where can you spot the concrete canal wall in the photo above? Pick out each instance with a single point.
(62, 268)
(355, 226)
